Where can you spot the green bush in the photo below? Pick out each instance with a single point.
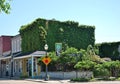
(85, 65)
(68, 59)
(101, 71)
(113, 67)
(107, 69)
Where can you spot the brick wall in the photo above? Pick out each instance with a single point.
(5, 44)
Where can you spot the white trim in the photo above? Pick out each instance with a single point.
(36, 66)
(27, 56)
(2, 58)
(21, 57)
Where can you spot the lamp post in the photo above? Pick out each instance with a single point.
(46, 76)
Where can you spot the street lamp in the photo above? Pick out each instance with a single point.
(46, 47)
(46, 76)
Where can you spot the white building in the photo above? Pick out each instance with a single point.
(16, 44)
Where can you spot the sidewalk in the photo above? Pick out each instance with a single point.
(49, 81)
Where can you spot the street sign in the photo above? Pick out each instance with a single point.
(58, 48)
(46, 60)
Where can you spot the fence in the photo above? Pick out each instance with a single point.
(68, 75)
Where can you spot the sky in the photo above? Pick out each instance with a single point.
(103, 14)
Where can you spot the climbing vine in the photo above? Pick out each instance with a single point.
(35, 34)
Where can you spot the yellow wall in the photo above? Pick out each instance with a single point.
(24, 69)
(39, 69)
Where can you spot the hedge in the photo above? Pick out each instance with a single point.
(109, 50)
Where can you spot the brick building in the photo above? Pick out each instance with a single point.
(5, 50)
(5, 45)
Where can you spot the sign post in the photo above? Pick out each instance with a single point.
(46, 60)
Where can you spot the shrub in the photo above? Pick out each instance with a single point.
(101, 71)
(113, 67)
(85, 65)
(68, 59)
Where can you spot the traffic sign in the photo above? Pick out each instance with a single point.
(46, 60)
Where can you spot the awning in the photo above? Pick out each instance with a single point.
(25, 55)
(34, 54)
(3, 58)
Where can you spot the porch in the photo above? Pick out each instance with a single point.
(25, 65)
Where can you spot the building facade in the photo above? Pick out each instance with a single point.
(5, 51)
(16, 44)
(15, 63)
(5, 45)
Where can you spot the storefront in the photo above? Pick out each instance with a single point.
(5, 66)
(23, 65)
(27, 65)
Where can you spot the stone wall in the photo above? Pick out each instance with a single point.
(68, 75)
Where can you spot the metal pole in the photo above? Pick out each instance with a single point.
(46, 76)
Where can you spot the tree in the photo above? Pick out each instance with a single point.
(54, 65)
(90, 55)
(5, 6)
(68, 59)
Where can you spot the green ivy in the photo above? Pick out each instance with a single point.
(109, 50)
(68, 33)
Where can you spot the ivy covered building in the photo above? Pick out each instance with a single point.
(69, 33)
(28, 46)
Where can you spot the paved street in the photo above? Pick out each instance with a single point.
(35, 81)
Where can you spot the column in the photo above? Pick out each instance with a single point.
(32, 66)
(36, 66)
